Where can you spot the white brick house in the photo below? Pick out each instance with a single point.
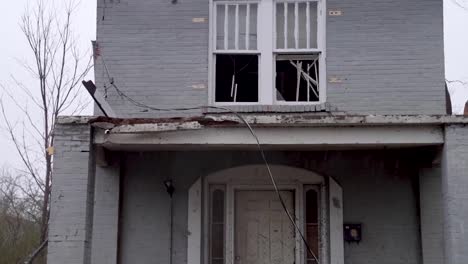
(347, 99)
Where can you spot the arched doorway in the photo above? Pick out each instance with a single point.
(244, 223)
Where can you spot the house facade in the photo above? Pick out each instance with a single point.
(264, 131)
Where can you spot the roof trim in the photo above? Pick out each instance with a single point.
(292, 119)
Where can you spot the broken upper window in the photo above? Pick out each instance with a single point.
(236, 78)
(236, 54)
(267, 51)
(297, 78)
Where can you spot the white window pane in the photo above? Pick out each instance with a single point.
(313, 24)
(280, 26)
(231, 26)
(302, 20)
(290, 25)
(233, 31)
(253, 27)
(242, 26)
(220, 27)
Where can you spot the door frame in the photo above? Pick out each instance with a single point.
(255, 177)
(231, 189)
(262, 188)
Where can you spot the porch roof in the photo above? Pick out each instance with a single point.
(275, 131)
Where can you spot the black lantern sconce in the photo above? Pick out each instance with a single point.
(352, 233)
(169, 187)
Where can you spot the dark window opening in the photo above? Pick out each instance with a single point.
(297, 78)
(236, 78)
(312, 225)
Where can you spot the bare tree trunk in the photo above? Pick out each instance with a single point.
(45, 204)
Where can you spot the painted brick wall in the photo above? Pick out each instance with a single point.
(377, 193)
(386, 54)
(455, 194)
(106, 215)
(154, 51)
(389, 54)
(71, 200)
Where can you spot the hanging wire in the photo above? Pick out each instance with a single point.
(252, 132)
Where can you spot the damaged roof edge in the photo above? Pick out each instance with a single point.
(273, 120)
(74, 120)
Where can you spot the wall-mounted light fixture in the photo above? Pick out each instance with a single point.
(352, 233)
(169, 187)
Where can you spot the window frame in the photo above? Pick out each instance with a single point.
(213, 51)
(267, 52)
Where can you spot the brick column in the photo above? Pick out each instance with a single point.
(106, 215)
(455, 194)
(70, 222)
(432, 232)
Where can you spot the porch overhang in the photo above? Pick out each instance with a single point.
(275, 131)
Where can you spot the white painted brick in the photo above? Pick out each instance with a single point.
(455, 195)
(432, 232)
(106, 215)
(69, 224)
(389, 54)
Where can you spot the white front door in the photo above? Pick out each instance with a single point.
(263, 232)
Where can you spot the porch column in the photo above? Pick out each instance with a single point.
(106, 211)
(455, 194)
(71, 199)
(431, 214)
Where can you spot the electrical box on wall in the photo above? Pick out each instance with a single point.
(352, 233)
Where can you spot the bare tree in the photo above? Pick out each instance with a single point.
(57, 68)
(20, 212)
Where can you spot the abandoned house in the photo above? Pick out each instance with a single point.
(358, 159)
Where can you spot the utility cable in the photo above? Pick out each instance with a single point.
(259, 146)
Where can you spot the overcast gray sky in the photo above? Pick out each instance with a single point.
(14, 48)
